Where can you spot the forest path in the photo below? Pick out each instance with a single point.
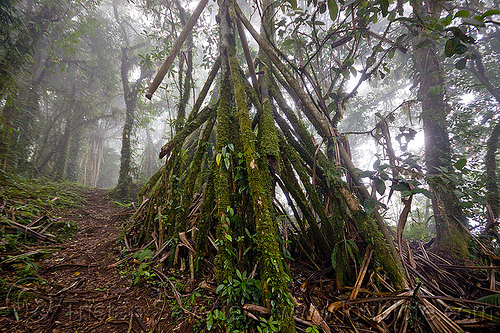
(76, 290)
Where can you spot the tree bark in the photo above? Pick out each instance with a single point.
(492, 192)
(123, 189)
(451, 238)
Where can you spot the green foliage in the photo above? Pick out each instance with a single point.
(143, 270)
(225, 155)
(269, 325)
(312, 329)
(493, 299)
(26, 269)
(417, 231)
(333, 9)
(29, 199)
(15, 41)
(239, 290)
(235, 292)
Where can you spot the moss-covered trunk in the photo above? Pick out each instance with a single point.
(130, 94)
(492, 192)
(450, 220)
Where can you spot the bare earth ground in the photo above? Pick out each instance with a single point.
(76, 291)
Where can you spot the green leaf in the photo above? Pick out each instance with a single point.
(333, 9)
(460, 64)
(447, 20)
(459, 165)
(293, 3)
(400, 186)
(384, 5)
(370, 61)
(379, 185)
(331, 107)
(451, 45)
(365, 174)
(493, 299)
(370, 205)
(472, 21)
(348, 62)
(462, 13)
(461, 49)
(424, 191)
(490, 12)
(218, 158)
(334, 258)
(478, 18)
(322, 8)
(210, 321)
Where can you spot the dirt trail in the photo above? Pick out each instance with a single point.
(76, 291)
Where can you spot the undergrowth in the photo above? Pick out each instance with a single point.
(26, 200)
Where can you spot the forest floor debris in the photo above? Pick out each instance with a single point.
(71, 288)
(95, 283)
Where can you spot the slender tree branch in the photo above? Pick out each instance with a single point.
(176, 48)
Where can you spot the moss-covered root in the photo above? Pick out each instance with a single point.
(370, 233)
(193, 174)
(224, 261)
(273, 276)
(206, 219)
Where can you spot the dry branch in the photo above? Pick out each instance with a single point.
(175, 48)
(26, 230)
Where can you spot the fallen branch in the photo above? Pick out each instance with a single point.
(27, 230)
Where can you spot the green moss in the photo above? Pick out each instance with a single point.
(153, 180)
(273, 277)
(268, 136)
(193, 174)
(224, 262)
(370, 234)
(206, 219)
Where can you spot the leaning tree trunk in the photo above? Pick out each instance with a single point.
(451, 236)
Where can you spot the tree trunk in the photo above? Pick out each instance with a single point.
(451, 238)
(492, 192)
(74, 150)
(62, 156)
(123, 189)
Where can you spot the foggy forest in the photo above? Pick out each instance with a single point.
(249, 166)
